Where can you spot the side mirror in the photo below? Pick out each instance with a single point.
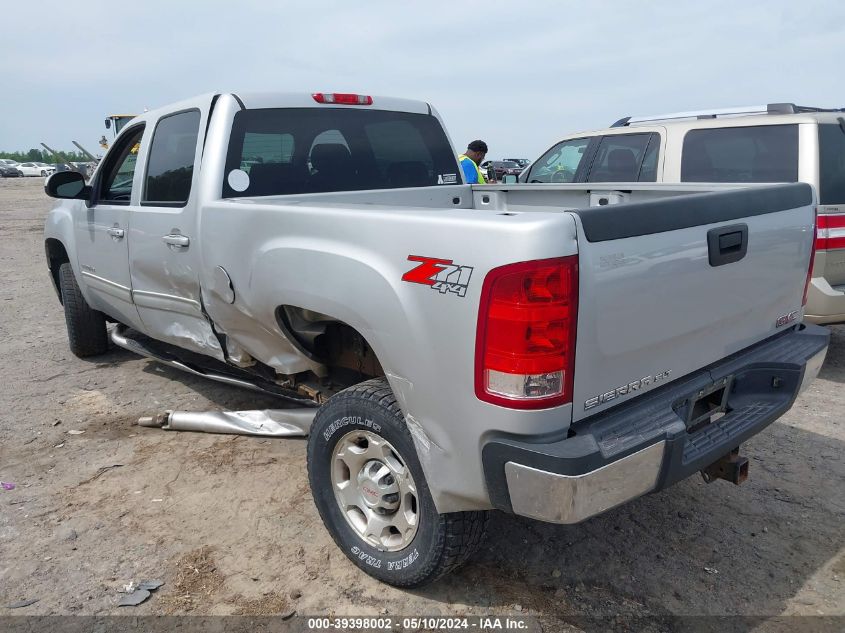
(67, 184)
(509, 179)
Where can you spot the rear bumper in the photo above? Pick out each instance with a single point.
(643, 445)
(825, 304)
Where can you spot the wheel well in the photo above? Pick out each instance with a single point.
(330, 342)
(56, 256)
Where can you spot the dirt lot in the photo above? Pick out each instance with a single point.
(228, 522)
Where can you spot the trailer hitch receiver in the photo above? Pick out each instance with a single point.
(733, 467)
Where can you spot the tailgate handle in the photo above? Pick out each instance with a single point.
(727, 244)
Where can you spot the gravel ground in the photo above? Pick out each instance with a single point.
(228, 522)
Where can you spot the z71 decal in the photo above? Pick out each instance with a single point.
(440, 274)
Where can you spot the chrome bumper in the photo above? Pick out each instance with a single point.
(572, 498)
(814, 365)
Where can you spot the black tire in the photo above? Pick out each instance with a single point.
(86, 328)
(442, 542)
(43, 172)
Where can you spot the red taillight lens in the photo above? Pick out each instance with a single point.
(527, 318)
(830, 231)
(343, 98)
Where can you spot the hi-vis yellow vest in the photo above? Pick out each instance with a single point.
(464, 157)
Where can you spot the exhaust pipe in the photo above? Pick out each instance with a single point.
(266, 423)
(733, 467)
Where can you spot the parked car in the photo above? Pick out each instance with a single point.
(35, 169)
(9, 171)
(522, 162)
(454, 348)
(497, 169)
(8, 162)
(780, 142)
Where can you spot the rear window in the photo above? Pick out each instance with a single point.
(832, 163)
(764, 153)
(310, 150)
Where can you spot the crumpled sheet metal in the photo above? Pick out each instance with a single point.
(265, 423)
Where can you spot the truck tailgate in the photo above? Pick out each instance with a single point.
(671, 286)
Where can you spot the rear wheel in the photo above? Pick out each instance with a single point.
(371, 493)
(86, 328)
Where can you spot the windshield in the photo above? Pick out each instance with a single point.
(309, 150)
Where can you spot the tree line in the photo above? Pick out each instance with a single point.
(43, 156)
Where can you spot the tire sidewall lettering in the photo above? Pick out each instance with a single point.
(350, 420)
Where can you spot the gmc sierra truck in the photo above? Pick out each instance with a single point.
(547, 350)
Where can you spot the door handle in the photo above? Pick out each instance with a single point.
(116, 232)
(176, 240)
(727, 244)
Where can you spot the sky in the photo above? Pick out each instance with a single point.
(518, 75)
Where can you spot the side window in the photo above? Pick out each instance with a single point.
(119, 169)
(832, 163)
(618, 158)
(763, 153)
(560, 163)
(648, 171)
(170, 166)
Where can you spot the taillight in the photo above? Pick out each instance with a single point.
(525, 346)
(830, 232)
(342, 98)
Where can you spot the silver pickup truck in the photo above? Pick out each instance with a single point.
(547, 350)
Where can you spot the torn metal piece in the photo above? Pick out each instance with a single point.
(134, 599)
(150, 585)
(268, 422)
(120, 338)
(22, 604)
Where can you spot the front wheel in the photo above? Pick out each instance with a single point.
(86, 327)
(371, 493)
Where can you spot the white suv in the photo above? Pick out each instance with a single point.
(780, 142)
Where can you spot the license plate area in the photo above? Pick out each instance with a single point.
(706, 405)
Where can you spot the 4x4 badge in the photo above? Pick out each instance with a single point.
(439, 274)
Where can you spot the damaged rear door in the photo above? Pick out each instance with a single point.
(163, 259)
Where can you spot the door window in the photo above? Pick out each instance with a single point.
(619, 158)
(119, 170)
(170, 167)
(560, 163)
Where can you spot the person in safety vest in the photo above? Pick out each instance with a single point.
(471, 159)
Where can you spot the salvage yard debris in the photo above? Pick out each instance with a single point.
(21, 604)
(99, 472)
(136, 594)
